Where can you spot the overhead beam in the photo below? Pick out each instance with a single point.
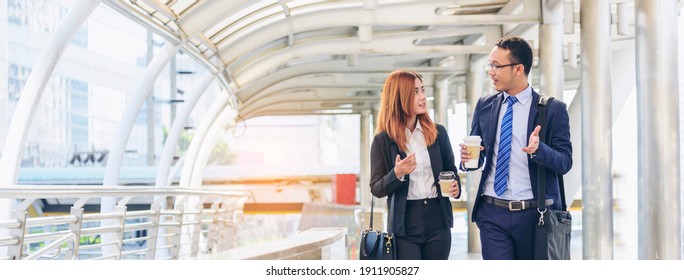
(380, 64)
(422, 13)
(313, 95)
(302, 108)
(386, 44)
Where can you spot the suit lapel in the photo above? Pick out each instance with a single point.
(533, 116)
(494, 120)
(532, 167)
(394, 147)
(435, 158)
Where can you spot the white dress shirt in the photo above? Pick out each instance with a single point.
(421, 179)
(519, 186)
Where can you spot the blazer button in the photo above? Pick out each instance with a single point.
(425, 202)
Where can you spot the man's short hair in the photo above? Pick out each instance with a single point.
(521, 52)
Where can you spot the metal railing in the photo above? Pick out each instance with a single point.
(197, 222)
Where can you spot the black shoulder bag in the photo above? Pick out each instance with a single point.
(376, 244)
(553, 231)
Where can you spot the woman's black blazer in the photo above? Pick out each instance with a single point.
(385, 183)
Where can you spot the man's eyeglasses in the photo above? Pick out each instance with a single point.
(497, 67)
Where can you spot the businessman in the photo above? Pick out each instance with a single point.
(505, 208)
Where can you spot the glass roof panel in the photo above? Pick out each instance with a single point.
(315, 6)
(267, 14)
(309, 59)
(259, 24)
(231, 19)
(180, 6)
(299, 3)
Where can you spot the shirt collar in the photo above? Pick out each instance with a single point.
(418, 127)
(523, 97)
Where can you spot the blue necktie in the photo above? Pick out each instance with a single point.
(504, 155)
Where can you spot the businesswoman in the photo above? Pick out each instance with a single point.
(408, 153)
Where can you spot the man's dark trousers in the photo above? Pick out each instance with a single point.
(505, 234)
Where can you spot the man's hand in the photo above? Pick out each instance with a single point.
(534, 141)
(465, 154)
(404, 166)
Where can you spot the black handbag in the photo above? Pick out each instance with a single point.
(376, 244)
(553, 231)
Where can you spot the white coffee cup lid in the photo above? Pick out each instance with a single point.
(473, 138)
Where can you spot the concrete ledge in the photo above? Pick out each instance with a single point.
(307, 245)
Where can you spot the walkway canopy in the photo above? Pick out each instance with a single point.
(313, 57)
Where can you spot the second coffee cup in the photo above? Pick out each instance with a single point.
(473, 143)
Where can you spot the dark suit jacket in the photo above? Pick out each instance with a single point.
(555, 154)
(385, 183)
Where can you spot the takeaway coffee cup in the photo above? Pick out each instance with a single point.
(473, 145)
(445, 180)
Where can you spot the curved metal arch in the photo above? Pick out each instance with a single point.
(307, 96)
(123, 133)
(380, 64)
(422, 14)
(208, 13)
(138, 95)
(323, 85)
(30, 97)
(322, 93)
(332, 80)
(389, 44)
(171, 143)
(303, 113)
(307, 107)
(217, 129)
(221, 104)
(35, 85)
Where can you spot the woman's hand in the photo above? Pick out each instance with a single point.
(404, 166)
(454, 191)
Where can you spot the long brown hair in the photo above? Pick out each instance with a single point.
(396, 107)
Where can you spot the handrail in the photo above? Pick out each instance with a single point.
(101, 216)
(179, 229)
(54, 244)
(44, 236)
(137, 239)
(138, 226)
(4, 241)
(43, 221)
(10, 224)
(136, 214)
(37, 191)
(105, 229)
(93, 246)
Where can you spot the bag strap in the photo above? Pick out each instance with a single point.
(371, 214)
(541, 173)
(390, 215)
